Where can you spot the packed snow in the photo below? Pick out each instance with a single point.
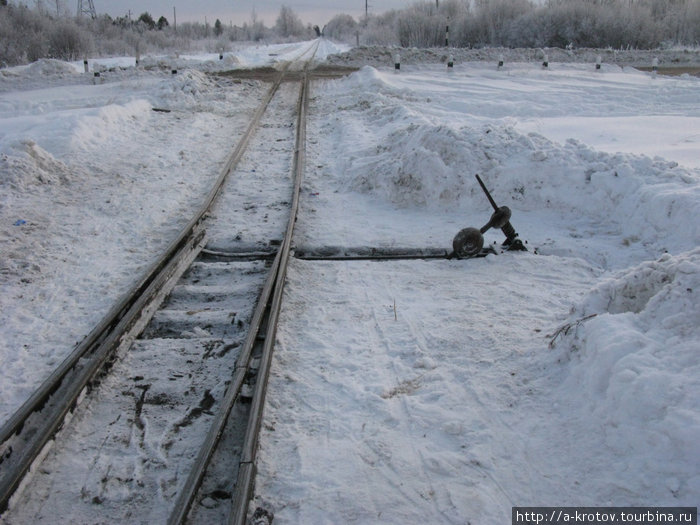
(407, 391)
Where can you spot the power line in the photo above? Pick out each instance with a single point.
(88, 9)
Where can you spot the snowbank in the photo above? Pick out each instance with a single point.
(188, 84)
(94, 130)
(411, 161)
(49, 66)
(29, 164)
(207, 62)
(632, 348)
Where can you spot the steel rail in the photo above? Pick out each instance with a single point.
(246, 470)
(349, 258)
(369, 254)
(269, 303)
(20, 451)
(186, 495)
(21, 443)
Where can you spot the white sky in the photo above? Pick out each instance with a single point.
(317, 12)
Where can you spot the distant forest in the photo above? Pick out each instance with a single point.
(49, 30)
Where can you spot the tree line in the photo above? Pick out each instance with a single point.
(27, 34)
(618, 24)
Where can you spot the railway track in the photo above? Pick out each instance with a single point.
(188, 348)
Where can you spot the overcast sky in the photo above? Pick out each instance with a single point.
(316, 12)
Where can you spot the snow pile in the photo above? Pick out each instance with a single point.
(104, 123)
(49, 66)
(40, 74)
(29, 164)
(33, 182)
(229, 61)
(651, 289)
(327, 48)
(418, 163)
(633, 346)
(186, 87)
(207, 62)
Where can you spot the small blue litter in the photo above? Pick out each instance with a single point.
(20, 222)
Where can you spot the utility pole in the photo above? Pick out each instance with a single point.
(366, 9)
(175, 18)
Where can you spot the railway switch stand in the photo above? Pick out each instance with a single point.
(469, 242)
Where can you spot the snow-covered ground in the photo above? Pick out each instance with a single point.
(402, 392)
(447, 392)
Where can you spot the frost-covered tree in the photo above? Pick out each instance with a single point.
(493, 20)
(147, 20)
(422, 25)
(690, 30)
(341, 27)
(162, 23)
(254, 31)
(67, 41)
(454, 9)
(288, 23)
(380, 30)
